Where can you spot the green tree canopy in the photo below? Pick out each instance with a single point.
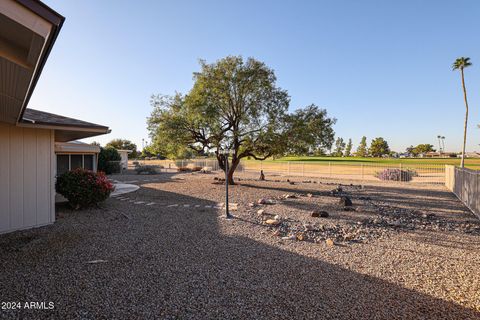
(309, 131)
(420, 149)
(339, 147)
(234, 104)
(109, 160)
(348, 148)
(124, 144)
(362, 150)
(379, 147)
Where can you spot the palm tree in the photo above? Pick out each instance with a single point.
(460, 64)
(439, 144)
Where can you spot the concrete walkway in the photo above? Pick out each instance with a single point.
(123, 188)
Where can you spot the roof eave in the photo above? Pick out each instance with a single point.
(57, 21)
(99, 129)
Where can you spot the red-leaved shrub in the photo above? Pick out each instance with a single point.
(84, 188)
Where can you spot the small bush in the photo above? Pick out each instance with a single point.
(396, 175)
(196, 168)
(109, 160)
(84, 188)
(183, 169)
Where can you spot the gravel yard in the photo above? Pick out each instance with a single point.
(166, 252)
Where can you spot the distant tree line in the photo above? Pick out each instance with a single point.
(378, 148)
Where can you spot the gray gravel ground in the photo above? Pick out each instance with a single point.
(404, 253)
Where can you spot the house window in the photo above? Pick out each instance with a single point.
(76, 161)
(67, 162)
(88, 161)
(63, 163)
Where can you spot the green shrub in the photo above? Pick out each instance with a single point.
(84, 188)
(109, 160)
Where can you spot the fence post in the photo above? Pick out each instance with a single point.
(401, 173)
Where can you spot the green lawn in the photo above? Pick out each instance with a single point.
(473, 163)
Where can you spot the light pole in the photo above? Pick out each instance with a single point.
(226, 152)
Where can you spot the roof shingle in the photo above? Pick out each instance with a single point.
(46, 118)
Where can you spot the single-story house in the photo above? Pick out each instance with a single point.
(28, 137)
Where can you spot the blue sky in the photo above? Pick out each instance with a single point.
(382, 68)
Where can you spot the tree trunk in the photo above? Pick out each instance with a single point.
(231, 171)
(221, 161)
(462, 164)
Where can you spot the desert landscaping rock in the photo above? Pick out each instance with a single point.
(190, 263)
(345, 201)
(319, 214)
(272, 222)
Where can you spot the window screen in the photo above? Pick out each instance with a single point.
(62, 163)
(76, 161)
(88, 161)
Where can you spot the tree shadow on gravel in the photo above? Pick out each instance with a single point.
(183, 263)
(442, 203)
(431, 199)
(287, 189)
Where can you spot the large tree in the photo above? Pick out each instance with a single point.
(236, 105)
(309, 131)
(124, 144)
(460, 64)
(379, 147)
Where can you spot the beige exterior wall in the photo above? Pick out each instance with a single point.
(27, 166)
(450, 177)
